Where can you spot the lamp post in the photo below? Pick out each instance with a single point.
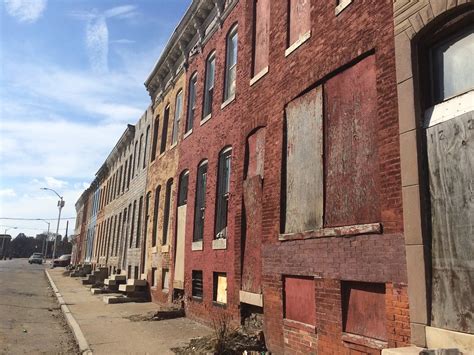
(44, 249)
(3, 241)
(60, 206)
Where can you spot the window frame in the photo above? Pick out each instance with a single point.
(233, 33)
(208, 89)
(191, 103)
(178, 111)
(223, 193)
(198, 234)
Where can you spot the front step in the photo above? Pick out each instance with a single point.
(114, 299)
(118, 277)
(126, 288)
(135, 282)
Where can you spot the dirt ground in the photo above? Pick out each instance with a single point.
(31, 321)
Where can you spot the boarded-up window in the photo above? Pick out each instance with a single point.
(197, 284)
(261, 35)
(300, 20)
(165, 280)
(299, 299)
(220, 287)
(223, 184)
(351, 153)
(200, 204)
(304, 163)
(166, 212)
(363, 309)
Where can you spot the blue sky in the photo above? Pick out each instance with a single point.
(71, 78)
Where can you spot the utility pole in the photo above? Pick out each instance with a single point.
(60, 206)
(44, 250)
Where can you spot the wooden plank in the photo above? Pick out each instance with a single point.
(304, 163)
(450, 147)
(344, 231)
(351, 152)
(180, 236)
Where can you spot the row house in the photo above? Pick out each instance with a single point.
(289, 167)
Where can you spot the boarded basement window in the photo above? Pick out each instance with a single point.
(197, 289)
(363, 309)
(165, 280)
(220, 288)
(304, 163)
(299, 299)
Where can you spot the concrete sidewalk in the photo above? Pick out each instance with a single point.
(109, 331)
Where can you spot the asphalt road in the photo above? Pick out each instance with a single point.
(31, 321)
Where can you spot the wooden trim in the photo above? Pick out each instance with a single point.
(344, 231)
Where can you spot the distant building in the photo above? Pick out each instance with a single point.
(5, 240)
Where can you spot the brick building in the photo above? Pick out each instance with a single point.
(436, 118)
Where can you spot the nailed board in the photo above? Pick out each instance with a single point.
(450, 147)
(304, 163)
(180, 236)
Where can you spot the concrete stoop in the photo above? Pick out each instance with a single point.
(414, 350)
(114, 299)
(114, 281)
(81, 271)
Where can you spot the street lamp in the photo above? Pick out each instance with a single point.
(60, 206)
(3, 240)
(44, 249)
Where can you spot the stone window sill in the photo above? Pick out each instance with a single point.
(303, 38)
(154, 250)
(259, 76)
(349, 338)
(173, 145)
(219, 304)
(342, 6)
(165, 248)
(345, 231)
(299, 325)
(196, 246)
(188, 133)
(219, 244)
(228, 101)
(205, 119)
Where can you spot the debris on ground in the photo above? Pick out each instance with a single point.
(237, 343)
(162, 314)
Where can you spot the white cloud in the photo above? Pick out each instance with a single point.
(97, 43)
(125, 11)
(27, 11)
(55, 183)
(7, 193)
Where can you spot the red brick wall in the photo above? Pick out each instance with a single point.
(206, 142)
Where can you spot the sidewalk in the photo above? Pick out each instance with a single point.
(107, 329)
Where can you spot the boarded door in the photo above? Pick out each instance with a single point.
(450, 148)
(304, 163)
(179, 263)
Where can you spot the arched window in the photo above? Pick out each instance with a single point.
(178, 109)
(191, 102)
(166, 212)
(222, 198)
(200, 204)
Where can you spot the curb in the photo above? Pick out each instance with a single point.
(71, 321)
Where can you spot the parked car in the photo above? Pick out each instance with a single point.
(36, 258)
(63, 260)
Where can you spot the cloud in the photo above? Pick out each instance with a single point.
(26, 11)
(7, 193)
(125, 11)
(97, 43)
(55, 183)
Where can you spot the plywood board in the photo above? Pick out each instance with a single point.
(221, 289)
(304, 163)
(450, 146)
(180, 237)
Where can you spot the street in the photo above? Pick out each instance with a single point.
(30, 318)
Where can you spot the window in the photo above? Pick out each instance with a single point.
(362, 298)
(120, 181)
(299, 299)
(191, 102)
(223, 183)
(177, 117)
(153, 277)
(129, 171)
(453, 66)
(155, 215)
(209, 85)
(197, 289)
(220, 288)
(300, 21)
(231, 64)
(165, 280)
(124, 183)
(183, 189)
(146, 145)
(136, 274)
(166, 213)
(164, 132)
(139, 222)
(129, 272)
(156, 129)
(134, 159)
(200, 204)
(133, 222)
(139, 151)
(261, 35)
(147, 216)
(119, 233)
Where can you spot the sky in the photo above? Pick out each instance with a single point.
(71, 78)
